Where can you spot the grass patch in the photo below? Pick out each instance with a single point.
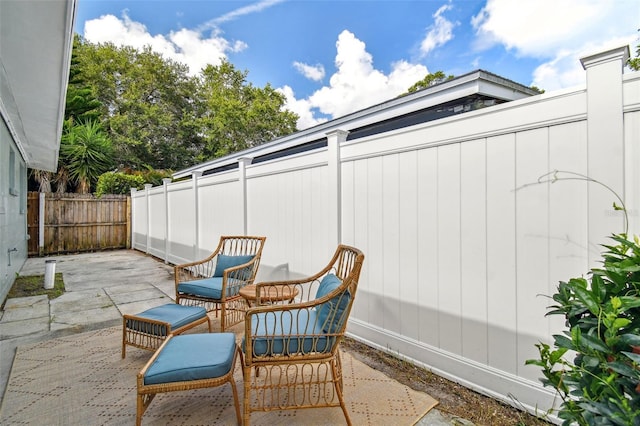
(33, 285)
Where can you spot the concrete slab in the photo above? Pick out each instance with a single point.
(10, 330)
(135, 296)
(108, 315)
(78, 301)
(23, 308)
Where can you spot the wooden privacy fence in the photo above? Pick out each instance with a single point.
(65, 223)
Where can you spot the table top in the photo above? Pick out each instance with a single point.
(269, 293)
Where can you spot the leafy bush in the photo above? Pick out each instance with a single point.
(118, 183)
(154, 176)
(602, 385)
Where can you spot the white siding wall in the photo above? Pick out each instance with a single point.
(13, 210)
(462, 241)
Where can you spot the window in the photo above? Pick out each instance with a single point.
(12, 173)
(23, 189)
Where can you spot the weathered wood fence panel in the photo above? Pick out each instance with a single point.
(33, 227)
(77, 223)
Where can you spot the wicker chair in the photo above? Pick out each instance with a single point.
(291, 358)
(215, 282)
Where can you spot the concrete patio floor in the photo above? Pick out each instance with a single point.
(100, 288)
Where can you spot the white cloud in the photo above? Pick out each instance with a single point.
(245, 10)
(312, 72)
(557, 32)
(186, 46)
(356, 84)
(565, 69)
(439, 33)
(302, 107)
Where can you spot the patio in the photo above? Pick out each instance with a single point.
(100, 288)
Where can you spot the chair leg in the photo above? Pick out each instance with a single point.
(236, 402)
(124, 337)
(143, 402)
(336, 370)
(246, 373)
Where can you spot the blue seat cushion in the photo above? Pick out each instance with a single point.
(207, 287)
(331, 314)
(225, 262)
(193, 357)
(287, 333)
(171, 313)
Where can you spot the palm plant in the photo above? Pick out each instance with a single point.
(85, 152)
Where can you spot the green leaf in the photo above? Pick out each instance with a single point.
(620, 323)
(586, 297)
(630, 339)
(623, 369)
(593, 343)
(564, 342)
(632, 356)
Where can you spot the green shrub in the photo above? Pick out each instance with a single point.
(154, 176)
(602, 384)
(118, 183)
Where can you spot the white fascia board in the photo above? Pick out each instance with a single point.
(37, 38)
(457, 88)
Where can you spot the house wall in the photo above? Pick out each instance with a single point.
(13, 210)
(463, 230)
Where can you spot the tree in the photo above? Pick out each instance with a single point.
(429, 80)
(159, 117)
(81, 103)
(147, 101)
(235, 115)
(86, 152)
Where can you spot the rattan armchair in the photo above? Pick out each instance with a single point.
(215, 282)
(291, 358)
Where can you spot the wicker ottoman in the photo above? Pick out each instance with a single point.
(148, 329)
(190, 361)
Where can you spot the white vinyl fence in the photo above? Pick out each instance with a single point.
(462, 241)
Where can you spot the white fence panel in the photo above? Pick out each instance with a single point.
(220, 210)
(463, 233)
(157, 222)
(290, 209)
(182, 219)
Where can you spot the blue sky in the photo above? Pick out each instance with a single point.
(331, 58)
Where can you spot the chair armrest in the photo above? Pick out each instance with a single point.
(236, 277)
(203, 268)
(304, 289)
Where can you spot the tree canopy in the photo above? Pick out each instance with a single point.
(158, 116)
(429, 80)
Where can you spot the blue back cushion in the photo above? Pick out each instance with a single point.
(288, 332)
(330, 313)
(193, 357)
(226, 262)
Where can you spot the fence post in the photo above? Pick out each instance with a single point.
(243, 162)
(132, 218)
(165, 183)
(147, 187)
(129, 242)
(605, 142)
(194, 179)
(334, 139)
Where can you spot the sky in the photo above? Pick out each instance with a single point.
(332, 58)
